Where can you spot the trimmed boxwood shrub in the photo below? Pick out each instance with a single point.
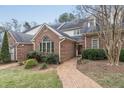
(35, 55)
(52, 59)
(30, 63)
(94, 54)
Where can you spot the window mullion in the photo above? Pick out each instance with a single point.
(46, 46)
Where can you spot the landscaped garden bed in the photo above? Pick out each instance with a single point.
(102, 73)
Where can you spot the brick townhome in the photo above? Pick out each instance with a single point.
(66, 39)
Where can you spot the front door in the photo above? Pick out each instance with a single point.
(12, 54)
(79, 49)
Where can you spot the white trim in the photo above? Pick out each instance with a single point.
(33, 45)
(46, 44)
(85, 42)
(97, 42)
(16, 50)
(60, 48)
(60, 25)
(47, 27)
(68, 29)
(12, 36)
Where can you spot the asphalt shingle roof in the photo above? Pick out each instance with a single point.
(21, 37)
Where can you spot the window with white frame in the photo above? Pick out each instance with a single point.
(77, 32)
(47, 46)
(95, 43)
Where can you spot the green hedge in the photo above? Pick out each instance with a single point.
(94, 54)
(98, 54)
(122, 55)
(52, 59)
(49, 58)
(35, 55)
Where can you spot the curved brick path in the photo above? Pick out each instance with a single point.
(72, 78)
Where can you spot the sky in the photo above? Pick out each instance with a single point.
(40, 14)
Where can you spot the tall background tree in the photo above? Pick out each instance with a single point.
(5, 55)
(26, 26)
(66, 17)
(109, 18)
(15, 25)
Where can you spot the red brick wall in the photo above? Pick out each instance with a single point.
(67, 50)
(22, 50)
(52, 36)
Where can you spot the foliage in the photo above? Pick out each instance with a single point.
(27, 25)
(122, 55)
(94, 54)
(30, 63)
(52, 59)
(66, 17)
(15, 25)
(36, 55)
(109, 19)
(21, 63)
(44, 66)
(5, 55)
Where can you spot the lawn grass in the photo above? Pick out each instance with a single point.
(108, 80)
(20, 78)
(104, 75)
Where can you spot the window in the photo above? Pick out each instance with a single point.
(95, 43)
(77, 32)
(47, 46)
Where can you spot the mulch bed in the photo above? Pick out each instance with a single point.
(100, 66)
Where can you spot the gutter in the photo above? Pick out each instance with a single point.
(60, 48)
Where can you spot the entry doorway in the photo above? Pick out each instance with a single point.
(79, 49)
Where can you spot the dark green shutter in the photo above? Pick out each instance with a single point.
(52, 47)
(40, 46)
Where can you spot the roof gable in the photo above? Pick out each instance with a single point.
(21, 37)
(49, 27)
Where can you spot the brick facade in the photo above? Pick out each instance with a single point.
(22, 50)
(101, 43)
(67, 50)
(51, 35)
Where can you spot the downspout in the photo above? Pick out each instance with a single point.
(33, 41)
(85, 41)
(60, 48)
(16, 49)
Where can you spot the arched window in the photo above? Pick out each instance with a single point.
(47, 46)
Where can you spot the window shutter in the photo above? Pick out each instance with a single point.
(52, 47)
(40, 46)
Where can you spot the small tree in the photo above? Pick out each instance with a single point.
(5, 55)
(109, 19)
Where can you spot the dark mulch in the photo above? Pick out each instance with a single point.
(101, 66)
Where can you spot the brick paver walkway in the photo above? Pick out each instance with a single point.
(72, 78)
(8, 66)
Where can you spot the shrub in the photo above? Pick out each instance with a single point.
(30, 63)
(21, 63)
(94, 54)
(52, 59)
(44, 66)
(122, 55)
(35, 55)
(5, 55)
